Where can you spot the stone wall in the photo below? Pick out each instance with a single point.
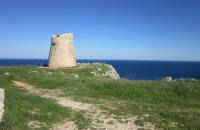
(62, 52)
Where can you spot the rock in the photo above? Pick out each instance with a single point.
(98, 69)
(34, 71)
(168, 78)
(193, 79)
(34, 111)
(104, 70)
(76, 76)
(49, 73)
(146, 115)
(173, 124)
(36, 124)
(1, 103)
(7, 73)
(112, 73)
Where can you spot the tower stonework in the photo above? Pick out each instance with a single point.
(62, 51)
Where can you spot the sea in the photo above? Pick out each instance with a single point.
(130, 69)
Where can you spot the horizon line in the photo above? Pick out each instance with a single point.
(104, 59)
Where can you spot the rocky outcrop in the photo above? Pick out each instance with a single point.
(104, 70)
(168, 79)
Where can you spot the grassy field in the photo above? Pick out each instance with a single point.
(168, 105)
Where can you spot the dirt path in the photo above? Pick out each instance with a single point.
(100, 120)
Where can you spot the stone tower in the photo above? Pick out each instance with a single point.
(62, 52)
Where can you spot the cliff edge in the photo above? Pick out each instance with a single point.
(101, 70)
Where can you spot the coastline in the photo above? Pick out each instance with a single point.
(133, 70)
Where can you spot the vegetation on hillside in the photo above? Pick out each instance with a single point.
(167, 105)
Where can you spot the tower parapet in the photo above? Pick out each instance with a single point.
(62, 51)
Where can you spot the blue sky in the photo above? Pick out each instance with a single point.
(103, 29)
